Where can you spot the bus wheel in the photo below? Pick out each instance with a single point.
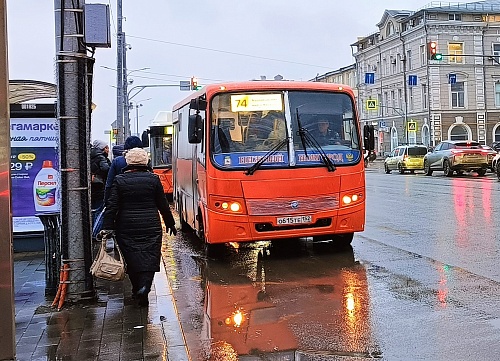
(344, 239)
(333, 241)
(184, 225)
(215, 250)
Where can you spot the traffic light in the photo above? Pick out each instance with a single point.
(432, 51)
(194, 83)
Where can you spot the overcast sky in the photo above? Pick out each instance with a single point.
(216, 40)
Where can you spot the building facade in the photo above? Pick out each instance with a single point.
(412, 96)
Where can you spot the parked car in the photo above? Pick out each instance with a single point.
(496, 146)
(491, 154)
(457, 156)
(495, 163)
(406, 158)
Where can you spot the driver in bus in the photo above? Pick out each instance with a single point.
(323, 134)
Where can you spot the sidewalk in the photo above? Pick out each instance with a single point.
(111, 328)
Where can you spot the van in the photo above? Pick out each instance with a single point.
(406, 158)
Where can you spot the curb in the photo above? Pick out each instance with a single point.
(171, 326)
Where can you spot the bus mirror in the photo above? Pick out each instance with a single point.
(145, 139)
(195, 129)
(198, 104)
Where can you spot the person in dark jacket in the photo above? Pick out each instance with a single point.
(117, 150)
(99, 168)
(119, 163)
(131, 212)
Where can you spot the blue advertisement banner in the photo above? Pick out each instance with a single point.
(34, 171)
(280, 159)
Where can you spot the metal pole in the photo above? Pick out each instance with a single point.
(126, 115)
(119, 76)
(73, 120)
(137, 117)
(7, 316)
(125, 105)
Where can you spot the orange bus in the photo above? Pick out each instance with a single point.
(250, 164)
(160, 147)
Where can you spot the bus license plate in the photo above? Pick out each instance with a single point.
(293, 220)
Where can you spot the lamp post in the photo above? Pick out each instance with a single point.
(124, 129)
(126, 100)
(137, 105)
(402, 113)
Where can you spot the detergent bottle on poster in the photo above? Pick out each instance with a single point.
(45, 189)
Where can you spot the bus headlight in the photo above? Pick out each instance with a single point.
(227, 205)
(352, 198)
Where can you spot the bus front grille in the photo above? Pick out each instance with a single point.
(291, 206)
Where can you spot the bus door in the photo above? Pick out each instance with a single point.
(161, 155)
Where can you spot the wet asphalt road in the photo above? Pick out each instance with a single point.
(422, 282)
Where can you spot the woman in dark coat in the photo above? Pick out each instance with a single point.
(135, 198)
(99, 168)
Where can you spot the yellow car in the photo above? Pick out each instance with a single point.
(406, 158)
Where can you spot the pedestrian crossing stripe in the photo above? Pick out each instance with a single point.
(371, 104)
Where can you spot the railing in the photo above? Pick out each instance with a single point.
(446, 5)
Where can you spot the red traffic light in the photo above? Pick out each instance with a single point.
(432, 50)
(194, 83)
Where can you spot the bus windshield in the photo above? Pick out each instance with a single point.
(295, 126)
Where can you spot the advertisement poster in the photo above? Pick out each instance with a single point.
(34, 171)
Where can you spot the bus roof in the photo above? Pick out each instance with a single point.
(163, 117)
(264, 85)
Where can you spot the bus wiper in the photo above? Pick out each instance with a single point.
(308, 140)
(266, 156)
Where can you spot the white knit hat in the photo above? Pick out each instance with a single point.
(136, 156)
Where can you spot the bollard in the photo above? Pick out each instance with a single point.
(51, 233)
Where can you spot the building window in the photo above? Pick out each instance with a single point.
(423, 57)
(389, 29)
(496, 52)
(455, 17)
(454, 51)
(424, 96)
(393, 99)
(408, 60)
(497, 134)
(400, 99)
(394, 138)
(497, 94)
(393, 65)
(458, 95)
(459, 132)
(426, 137)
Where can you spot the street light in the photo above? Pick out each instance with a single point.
(126, 100)
(138, 104)
(124, 111)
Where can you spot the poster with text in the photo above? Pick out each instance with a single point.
(34, 171)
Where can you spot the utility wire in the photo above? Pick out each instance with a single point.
(226, 52)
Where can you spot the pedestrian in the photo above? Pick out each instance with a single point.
(119, 163)
(135, 199)
(99, 168)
